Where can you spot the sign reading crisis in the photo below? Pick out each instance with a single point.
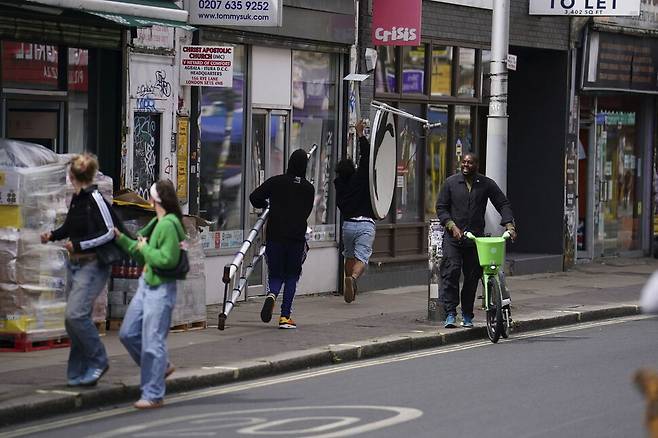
(585, 7)
(207, 66)
(236, 12)
(396, 23)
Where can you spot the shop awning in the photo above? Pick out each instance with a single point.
(128, 13)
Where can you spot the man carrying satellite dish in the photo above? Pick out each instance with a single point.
(353, 199)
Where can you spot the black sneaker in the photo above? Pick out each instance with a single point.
(268, 307)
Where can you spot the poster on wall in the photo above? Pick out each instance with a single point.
(207, 66)
(181, 158)
(146, 161)
(585, 8)
(261, 13)
(396, 23)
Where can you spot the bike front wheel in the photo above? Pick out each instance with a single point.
(495, 324)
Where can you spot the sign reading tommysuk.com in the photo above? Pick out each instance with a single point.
(207, 66)
(597, 8)
(236, 12)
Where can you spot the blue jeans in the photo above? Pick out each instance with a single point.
(358, 238)
(87, 350)
(284, 266)
(144, 334)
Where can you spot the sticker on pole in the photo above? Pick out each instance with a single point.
(207, 66)
(383, 155)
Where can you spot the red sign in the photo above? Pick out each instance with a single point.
(396, 22)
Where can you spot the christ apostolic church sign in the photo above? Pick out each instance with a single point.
(207, 66)
(594, 8)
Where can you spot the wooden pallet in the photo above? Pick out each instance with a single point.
(188, 326)
(21, 343)
(114, 324)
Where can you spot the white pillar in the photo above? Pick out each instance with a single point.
(497, 119)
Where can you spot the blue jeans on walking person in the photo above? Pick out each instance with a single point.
(284, 266)
(144, 334)
(358, 238)
(87, 350)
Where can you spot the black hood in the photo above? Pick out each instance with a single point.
(297, 163)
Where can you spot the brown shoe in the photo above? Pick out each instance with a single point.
(170, 369)
(148, 404)
(348, 289)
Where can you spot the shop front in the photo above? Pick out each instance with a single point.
(445, 78)
(62, 73)
(286, 93)
(616, 144)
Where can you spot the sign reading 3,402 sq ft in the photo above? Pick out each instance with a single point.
(236, 12)
(598, 8)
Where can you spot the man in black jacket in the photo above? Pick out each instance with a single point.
(291, 201)
(353, 200)
(461, 207)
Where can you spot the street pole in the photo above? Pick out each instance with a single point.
(497, 120)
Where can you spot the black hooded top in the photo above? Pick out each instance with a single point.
(353, 191)
(290, 199)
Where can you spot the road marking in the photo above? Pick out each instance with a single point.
(402, 414)
(333, 369)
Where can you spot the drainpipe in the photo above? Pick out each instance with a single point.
(497, 119)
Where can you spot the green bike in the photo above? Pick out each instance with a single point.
(491, 253)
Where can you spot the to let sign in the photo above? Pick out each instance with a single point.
(396, 23)
(599, 8)
(207, 66)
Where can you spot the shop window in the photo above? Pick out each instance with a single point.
(78, 99)
(441, 71)
(386, 80)
(407, 182)
(30, 66)
(222, 150)
(466, 75)
(413, 69)
(436, 163)
(463, 132)
(314, 122)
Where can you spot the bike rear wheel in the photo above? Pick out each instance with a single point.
(506, 315)
(495, 325)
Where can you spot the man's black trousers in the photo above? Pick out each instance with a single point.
(459, 256)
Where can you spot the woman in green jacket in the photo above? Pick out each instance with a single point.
(146, 323)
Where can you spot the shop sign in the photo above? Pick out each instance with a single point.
(620, 62)
(155, 37)
(263, 13)
(207, 66)
(647, 20)
(585, 7)
(382, 165)
(396, 23)
(181, 157)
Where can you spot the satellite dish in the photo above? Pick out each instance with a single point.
(383, 160)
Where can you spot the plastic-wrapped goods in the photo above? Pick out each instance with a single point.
(191, 292)
(15, 153)
(33, 276)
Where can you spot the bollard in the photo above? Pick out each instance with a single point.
(435, 311)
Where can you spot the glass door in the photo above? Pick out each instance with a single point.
(270, 133)
(620, 195)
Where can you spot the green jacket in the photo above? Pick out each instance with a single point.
(162, 249)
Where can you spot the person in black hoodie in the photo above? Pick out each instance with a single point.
(89, 228)
(353, 200)
(290, 198)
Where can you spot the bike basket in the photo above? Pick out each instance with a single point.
(491, 250)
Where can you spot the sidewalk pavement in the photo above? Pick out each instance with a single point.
(33, 385)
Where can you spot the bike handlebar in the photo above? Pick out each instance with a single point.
(506, 235)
